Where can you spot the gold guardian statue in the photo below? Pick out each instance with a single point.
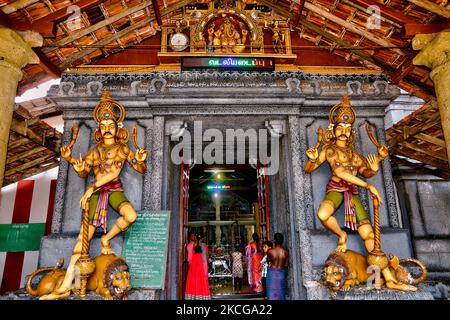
(107, 160)
(345, 164)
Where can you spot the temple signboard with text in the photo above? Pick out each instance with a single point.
(145, 249)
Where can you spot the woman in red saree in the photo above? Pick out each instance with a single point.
(197, 286)
(255, 255)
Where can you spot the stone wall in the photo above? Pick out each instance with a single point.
(425, 201)
(298, 103)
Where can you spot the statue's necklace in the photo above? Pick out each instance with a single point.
(106, 151)
(348, 151)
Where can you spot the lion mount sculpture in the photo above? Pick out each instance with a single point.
(344, 270)
(111, 278)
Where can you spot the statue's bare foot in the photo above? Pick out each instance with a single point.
(59, 293)
(400, 286)
(342, 243)
(106, 247)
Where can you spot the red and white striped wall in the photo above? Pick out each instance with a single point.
(28, 201)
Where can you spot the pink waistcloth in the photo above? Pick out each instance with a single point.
(350, 210)
(101, 212)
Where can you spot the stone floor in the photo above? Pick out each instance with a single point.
(427, 291)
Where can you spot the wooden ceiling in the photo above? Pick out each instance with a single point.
(33, 147)
(116, 31)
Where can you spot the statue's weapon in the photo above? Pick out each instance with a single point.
(85, 263)
(135, 143)
(371, 135)
(75, 129)
(319, 137)
(376, 257)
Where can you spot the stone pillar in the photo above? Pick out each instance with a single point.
(434, 54)
(218, 228)
(15, 53)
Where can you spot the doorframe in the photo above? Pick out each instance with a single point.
(184, 207)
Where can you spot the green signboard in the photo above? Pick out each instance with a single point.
(20, 237)
(145, 249)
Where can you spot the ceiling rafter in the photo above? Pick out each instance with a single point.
(433, 7)
(157, 12)
(81, 54)
(83, 32)
(351, 27)
(46, 25)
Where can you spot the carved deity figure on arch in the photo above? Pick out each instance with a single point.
(107, 160)
(345, 163)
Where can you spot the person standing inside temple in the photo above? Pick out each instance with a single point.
(197, 286)
(190, 246)
(267, 245)
(254, 255)
(205, 250)
(237, 269)
(278, 259)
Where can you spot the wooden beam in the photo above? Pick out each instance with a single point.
(29, 164)
(412, 29)
(29, 173)
(81, 33)
(157, 12)
(386, 12)
(46, 64)
(431, 139)
(420, 166)
(433, 7)
(360, 53)
(79, 55)
(421, 158)
(277, 8)
(24, 155)
(19, 142)
(21, 128)
(301, 6)
(411, 132)
(351, 27)
(428, 152)
(402, 71)
(46, 25)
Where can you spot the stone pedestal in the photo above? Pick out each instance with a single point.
(15, 53)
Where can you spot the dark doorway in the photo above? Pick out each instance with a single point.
(226, 204)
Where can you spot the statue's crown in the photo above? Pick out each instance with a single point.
(106, 109)
(342, 112)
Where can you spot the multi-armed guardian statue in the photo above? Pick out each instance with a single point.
(346, 268)
(107, 160)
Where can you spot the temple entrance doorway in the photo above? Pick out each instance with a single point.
(226, 205)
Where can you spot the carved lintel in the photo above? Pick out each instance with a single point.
(293, 85)
(276, 128)
(66, 88)
(354, 88)
(175, 129)
(317, 90)
(381, 87)
(94, 88)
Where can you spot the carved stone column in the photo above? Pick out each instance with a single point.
(15, 53)
(434, 54)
